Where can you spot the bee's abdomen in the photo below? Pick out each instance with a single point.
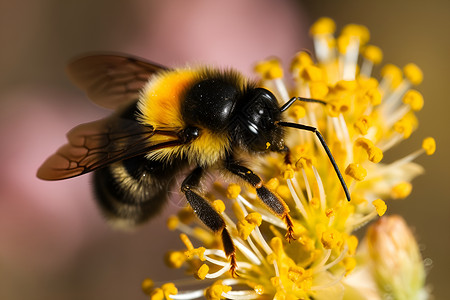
(131, 191)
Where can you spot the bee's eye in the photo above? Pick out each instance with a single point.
(257, 113)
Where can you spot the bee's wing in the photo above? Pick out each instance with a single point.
(112, 80)
(96, 144)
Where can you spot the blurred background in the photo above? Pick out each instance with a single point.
(53, 241)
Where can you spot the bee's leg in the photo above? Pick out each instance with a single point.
(272, 201)
(208, 215)
(287, 155)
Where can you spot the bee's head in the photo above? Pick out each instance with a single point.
(255, 120)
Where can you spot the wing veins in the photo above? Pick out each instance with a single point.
(111, 80)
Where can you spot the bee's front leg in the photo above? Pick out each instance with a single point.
(270, 199)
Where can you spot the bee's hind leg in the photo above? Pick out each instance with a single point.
(208, 215)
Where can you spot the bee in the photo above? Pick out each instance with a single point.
(166, 120)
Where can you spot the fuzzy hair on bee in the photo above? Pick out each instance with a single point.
(162, 105)
(168, 120)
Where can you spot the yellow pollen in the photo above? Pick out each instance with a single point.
(304, 163)
(337, 106)
(374, 153)
(269, 69)
(202, 272)
(199, 252)
(233, 191)
(175, 259)
(413, 73)
(342, 43)
(401, 190)
(283, 191)
(301, 59)
(349, 264)
(218, 206)
(345, 209)
(259, 289)
(363, 124)
(414, 99)
(367, 83)
(215, 291)
(330, 212)
(305, 284)
(294, 276)
(288, 173)
(172, 222)
(331, 42)
(331, 238)
(297, 112)
(147, 286)
(323, 26)
(374, 96)
(275, 281)
(352, 243)
(360, 31)
(364, 143)
(244, 228)
(316, 212)
(169, 289)
(157, 294)
(404, 126)
(346, 85)
(299, 232)
(312, 73)
(296, 273)
(309, 245)
(318, 89)
(273, 183)
(254, 218)
(380, 206)
(320, 229)
(301, 150)
(373, 53)
(393, 73)
(315, 203)
(429, 145)
(356, 171)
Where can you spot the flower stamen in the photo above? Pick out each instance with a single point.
(360, 118)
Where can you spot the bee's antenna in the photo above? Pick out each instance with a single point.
(301, 99)
(324, 145)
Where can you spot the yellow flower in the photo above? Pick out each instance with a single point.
(363, 117)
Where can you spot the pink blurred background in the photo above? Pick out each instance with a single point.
(53, 241)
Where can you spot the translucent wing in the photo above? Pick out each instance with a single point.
(99, 143)
(112, 80)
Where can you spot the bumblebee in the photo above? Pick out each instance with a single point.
(166, 120)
